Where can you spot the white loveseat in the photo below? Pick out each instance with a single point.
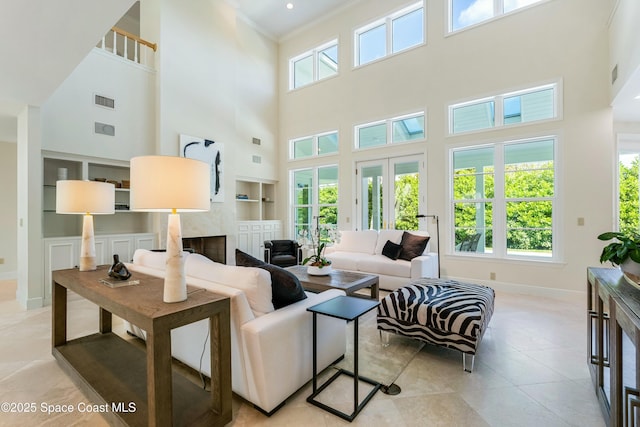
(361, 251)
(271, 350)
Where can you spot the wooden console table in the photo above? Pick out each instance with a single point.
(137, 388)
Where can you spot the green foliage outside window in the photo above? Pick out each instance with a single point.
(473, 217)
(406, 201)
(406, 207)
(328, 199)
(629, 195)
(529, 222)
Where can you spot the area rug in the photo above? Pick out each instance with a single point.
(376, 361)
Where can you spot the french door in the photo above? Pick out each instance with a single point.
(390, 193)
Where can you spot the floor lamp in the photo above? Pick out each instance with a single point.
(88, 198)
(171, 184)
(435, 217)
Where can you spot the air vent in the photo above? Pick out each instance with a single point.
(105, 129)
(103, 101)
(257, 159)
(614, 74)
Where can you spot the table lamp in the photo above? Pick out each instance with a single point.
(171, 184)
(88, 198)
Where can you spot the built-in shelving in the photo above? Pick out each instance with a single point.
(59, 165)
(256, 215)
(255, 199)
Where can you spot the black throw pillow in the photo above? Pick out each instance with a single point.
(243, 259)
(391, 250)
(412, 245)
(285, 286)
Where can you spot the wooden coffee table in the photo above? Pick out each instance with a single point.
(347, 281)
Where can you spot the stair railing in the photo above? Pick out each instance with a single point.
(128, 46)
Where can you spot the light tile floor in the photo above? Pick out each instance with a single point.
(531, 370)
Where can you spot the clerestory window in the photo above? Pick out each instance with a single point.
(314, 65)
(315, 145)
(523, 106)
(465, 13)
(406, 128)
(393, 33)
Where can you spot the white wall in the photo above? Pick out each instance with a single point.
(216, 80)
(68, 116)
(8, 210)
(539, 44)
(624, 42)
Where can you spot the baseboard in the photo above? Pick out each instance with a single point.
(9, 275)
(538, 291)
(29, 303)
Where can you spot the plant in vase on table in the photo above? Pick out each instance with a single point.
(315, 242)
(625, 252)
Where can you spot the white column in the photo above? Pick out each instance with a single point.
(30, 292)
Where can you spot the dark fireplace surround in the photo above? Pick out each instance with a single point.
(212, 247)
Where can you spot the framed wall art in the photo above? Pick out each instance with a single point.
(210, 152)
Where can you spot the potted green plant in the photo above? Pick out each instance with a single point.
(316, 242)
(316, 259)
(624, 252)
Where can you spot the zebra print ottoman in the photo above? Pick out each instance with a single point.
(441, 312)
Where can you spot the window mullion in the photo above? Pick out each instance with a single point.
(498, 102)
(389, 30)
(316, 64)
(499, 204)
(498, 7)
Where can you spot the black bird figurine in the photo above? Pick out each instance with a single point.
(118, 270)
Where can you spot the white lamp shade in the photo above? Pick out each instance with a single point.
(164, 183)
(81, 197)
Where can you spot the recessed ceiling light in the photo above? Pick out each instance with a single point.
(637, 96)
(289, 6)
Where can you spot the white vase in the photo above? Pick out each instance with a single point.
(318, 271)
(631, 267)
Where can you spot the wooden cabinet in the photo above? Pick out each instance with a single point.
(613, 305)
(252, 234)
(64, 252)
(256, 214)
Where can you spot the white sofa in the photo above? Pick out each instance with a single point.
(271, 350)
(361, 251)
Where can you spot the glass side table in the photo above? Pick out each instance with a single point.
(346, 308)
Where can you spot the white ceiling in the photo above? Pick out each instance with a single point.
(276, 21)
(43, 41)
